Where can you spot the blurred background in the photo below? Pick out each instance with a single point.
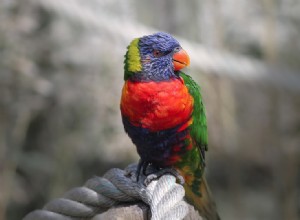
(61, 74)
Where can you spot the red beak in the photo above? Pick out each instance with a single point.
(180, 59)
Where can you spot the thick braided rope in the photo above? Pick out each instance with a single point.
(164, 197)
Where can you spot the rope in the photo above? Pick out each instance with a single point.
(164, 197)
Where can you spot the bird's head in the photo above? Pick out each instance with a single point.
(156, 57)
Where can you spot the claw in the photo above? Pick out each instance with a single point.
(142, 166)
(162, 172)
(138, 170)
(145, 166)
(141, 169)
(130, 172)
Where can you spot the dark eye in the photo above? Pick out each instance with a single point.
(176, 49)
(157, 53)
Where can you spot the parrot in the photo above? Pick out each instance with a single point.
(163, 113)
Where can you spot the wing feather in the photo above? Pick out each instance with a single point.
(198, 129)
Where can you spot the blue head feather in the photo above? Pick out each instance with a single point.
(156, 53)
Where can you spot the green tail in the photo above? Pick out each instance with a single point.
(204, 203)
(192, 164)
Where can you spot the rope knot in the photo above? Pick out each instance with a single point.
(163, 196)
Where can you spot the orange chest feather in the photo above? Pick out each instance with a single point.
(156, 105)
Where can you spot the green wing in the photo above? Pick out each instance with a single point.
(199, 125)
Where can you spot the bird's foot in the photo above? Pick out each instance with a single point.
(145, 173)
(131, 172)
(138, 172)
(161, 172)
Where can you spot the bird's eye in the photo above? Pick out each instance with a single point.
(176, 49)
(157, 53)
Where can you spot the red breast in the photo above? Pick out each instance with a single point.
(156, 105)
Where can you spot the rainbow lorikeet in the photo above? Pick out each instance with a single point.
(163, 114)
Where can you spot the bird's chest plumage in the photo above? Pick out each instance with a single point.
(156, 116)
(156, 105)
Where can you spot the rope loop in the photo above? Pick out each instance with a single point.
(163, 196)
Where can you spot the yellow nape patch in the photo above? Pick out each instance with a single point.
(134, 59)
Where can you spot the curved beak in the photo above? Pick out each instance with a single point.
(180, 59)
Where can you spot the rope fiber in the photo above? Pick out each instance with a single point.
(163, 196)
